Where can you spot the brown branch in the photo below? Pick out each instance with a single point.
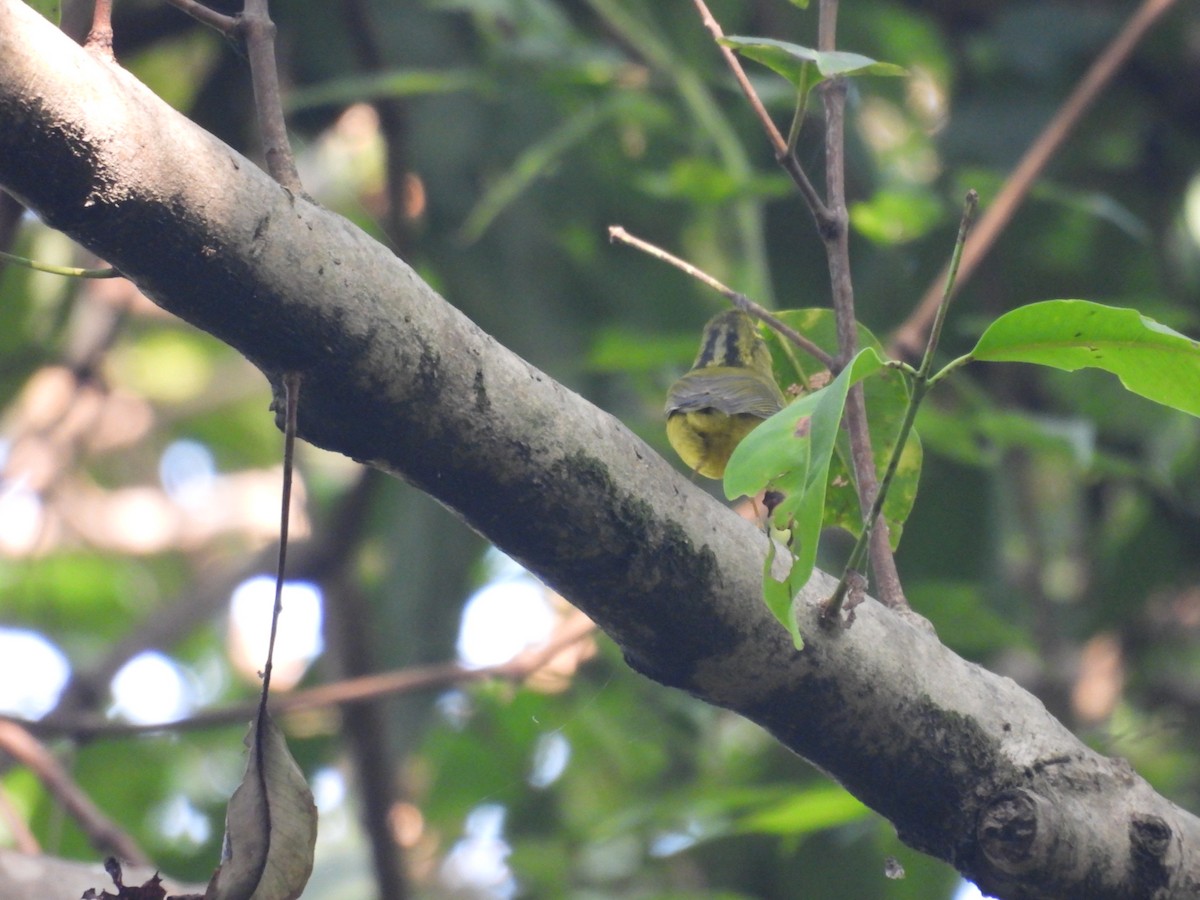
(258, 33)
(910, 336)
(205, 15)
(100, 38)
(349, 624)
(836, 237)
(354, 690)
(832, 221)
(104, 834)
(665, 558)
(254, 30)
(783, 154)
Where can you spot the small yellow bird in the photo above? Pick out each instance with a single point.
(728, 392)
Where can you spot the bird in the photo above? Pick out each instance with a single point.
(728, 392)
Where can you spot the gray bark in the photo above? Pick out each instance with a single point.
(969, 768)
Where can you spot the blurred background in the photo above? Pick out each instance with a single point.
(491, 143)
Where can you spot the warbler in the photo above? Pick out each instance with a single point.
(728, 392)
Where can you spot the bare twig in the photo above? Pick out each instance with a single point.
(259, 34)
(741, 301)
(104, 834)
(291, 393)
(255, 31)
(851, 581)
(69, 271)
(207, 16)
(100, 38)
(783, 151)
(910, 336)
(354, 690)
(836, 236)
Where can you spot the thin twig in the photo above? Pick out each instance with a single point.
(617, 233)
(258, 32)
(205, 15)
(921, 384)
(254, 30)
(100, 38)
(836, 237)
(783, 151)
(970, 205)
(353, 690)
(908, 338)
(69, 271)
(291, 391)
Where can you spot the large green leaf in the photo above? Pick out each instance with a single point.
(778, 595)
(790, 453)
(886, 398)
(1150, 359)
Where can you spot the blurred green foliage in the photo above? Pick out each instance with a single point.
(1058, 516)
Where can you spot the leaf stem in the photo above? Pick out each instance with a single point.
(291, 391)
(951, 366)
(970, 205)
(801, 108)
(70, 271)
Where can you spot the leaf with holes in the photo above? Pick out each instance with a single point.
(790, 453)
(1151, 359)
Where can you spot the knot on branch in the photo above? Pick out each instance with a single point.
(1009, 828)
(1150, 839)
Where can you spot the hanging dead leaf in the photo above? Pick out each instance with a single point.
(270, 825)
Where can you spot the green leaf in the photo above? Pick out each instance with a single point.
(896, 215)
(791, 452)
(1151, 359)
(789, 60)
(886, 399)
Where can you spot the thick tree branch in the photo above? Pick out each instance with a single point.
(969, 768)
